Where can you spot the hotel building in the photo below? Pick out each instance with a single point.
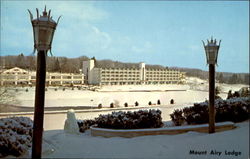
(123, 76)
(16, 76)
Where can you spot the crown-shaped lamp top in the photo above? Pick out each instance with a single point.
(212, 42)
(44, 17)
(211, 50)
(43, 28)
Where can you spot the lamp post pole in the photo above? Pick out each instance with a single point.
(39, 104)
(43, 29)
(211, 50)
(211, 98)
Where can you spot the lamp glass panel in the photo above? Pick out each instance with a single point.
(211, 56)
(216, 54)
(42, 36)
(36, 34)
(45, 35)
(50, 35)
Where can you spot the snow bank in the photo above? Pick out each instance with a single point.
(70, 125)
(159, 146)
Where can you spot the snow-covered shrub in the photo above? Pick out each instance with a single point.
(243, 92)
(126, 104)
(125, 120)
(130, 120)
(136, 103)
(100, 106)
(172, 101)
(197, 114)
(15, 135)
(177, 117)
(85, 124)
(111, 105)
(158, 102)
(233, 109)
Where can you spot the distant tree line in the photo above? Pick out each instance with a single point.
(222, 77)
(72, 65)
(54, 64)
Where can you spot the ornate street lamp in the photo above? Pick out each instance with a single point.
(43, 29)
(211, 50)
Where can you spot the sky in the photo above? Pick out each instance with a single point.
(167, 33)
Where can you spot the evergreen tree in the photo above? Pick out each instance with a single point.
(233, 79)
(247, 79)
(229, 95)
(245, 92)
(31, 62)
(217, 92)
(64, 64)
(220, 77)
(56, 66)
(20, 61)
(236, 94)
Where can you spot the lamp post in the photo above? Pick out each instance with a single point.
(43, 29)
(211, 50)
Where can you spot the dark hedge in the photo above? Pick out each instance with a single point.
(233, 109)
(125, 120)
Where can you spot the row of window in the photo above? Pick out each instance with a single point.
(149, 76)
(120, 69)
(147, 72)
(138, 79)
(136, 69)
(120, 75)
(162, 72)
(161, 79)
(16, 73)
(32, 77)
(150, 82)
(120, 79)
(162, 75)
(127, 72)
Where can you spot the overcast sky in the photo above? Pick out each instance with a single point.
(155, 32)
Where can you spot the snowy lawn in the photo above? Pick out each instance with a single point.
(196, 91)
(188, 145)
(108, 94)
(232, 144)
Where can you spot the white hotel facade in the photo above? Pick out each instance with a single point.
(18, 76)
(96, 76)
(124, 76)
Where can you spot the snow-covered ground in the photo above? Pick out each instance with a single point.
(56, 121)
(108, 94)
(232, 144)
(196, 91)
(202, 85)
(56, 143)
(90, 98)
